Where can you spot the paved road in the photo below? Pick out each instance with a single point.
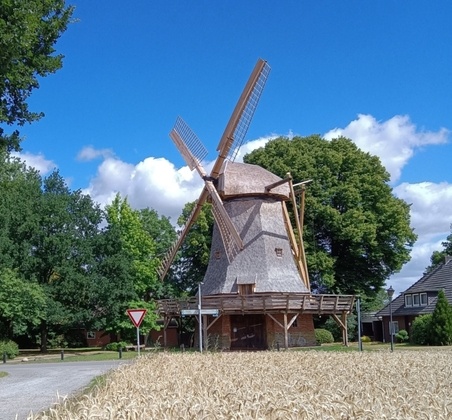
(35, 387)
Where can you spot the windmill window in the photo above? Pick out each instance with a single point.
(246, 289)
(217, 255)
(278, 252)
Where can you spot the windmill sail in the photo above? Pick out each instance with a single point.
(238, 124)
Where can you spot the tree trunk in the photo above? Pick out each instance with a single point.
(43, 336)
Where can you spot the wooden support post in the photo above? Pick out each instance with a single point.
(204, 331)
(165, 324)
(344, 330)
(286, 333)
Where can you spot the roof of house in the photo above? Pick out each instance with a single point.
(434, 281)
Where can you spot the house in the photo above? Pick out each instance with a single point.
(419, 299)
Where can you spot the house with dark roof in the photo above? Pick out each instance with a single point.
(419, 299)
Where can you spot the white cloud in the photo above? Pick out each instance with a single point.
(90, 153)
(39, 162)
(394, 141)
(254, 144)
(431, 205)
(153, 183)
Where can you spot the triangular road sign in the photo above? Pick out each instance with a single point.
(136, 316)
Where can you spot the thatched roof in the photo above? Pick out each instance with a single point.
(242, 179)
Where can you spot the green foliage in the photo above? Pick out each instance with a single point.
(10, 348)
(29, 30)
(331, 325)
(438, 257)
(357, 233)
(116, 346)
(22, 303)
(138, 245)
(402, 336)
(366, 339)
(323, 336)
(191, 264)
(421, 330)
(442, 321)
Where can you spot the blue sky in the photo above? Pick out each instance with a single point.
(379, 72)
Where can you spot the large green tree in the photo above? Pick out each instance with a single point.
(357, 233)
(29, 30)
(63, 253)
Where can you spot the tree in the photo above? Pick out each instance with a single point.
(191, 262)
(29, 30)
(63, 254)
(442, 321)
(20, 191)
(159, 228)
(438, 257)
(357, 233)
(139, 246)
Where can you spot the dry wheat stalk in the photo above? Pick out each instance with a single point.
(272, 385)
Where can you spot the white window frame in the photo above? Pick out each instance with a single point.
(408, 297)
(416, 295)
(421, 295)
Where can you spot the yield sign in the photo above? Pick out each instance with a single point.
(136, 316)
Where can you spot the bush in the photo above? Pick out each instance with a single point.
(116, 346)
(323, 336)
(366, 339)
(10, 348)
(402, 336)
(421, 330)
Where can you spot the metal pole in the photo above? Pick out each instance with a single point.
(390, 292)
(391, 327)
(200, 317)
(138, 340)
(358, 310)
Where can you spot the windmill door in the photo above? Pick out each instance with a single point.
(248, 332)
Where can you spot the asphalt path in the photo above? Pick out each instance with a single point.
(33, 387)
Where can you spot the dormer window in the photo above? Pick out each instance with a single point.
(408, 300)
(424, 301)
(416, 300)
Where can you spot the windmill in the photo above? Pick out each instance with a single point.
(257, 276)
(227, 187)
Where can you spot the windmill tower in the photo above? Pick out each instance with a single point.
(255, 253)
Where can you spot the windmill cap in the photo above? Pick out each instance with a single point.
(244, 179)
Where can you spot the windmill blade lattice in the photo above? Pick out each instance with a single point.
(238, 124)
(188, 143)
(248, 113)
(168, 259)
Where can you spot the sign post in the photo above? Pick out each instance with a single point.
(136, 316)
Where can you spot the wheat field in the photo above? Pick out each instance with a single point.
(271, 385)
